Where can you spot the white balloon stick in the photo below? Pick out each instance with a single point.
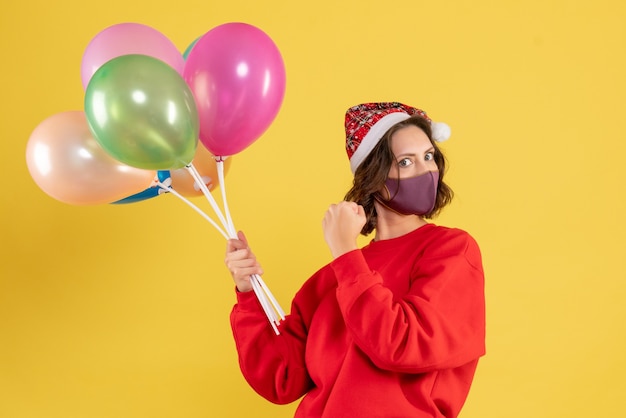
(171, 190)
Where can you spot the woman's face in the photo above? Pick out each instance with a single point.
(414, 153)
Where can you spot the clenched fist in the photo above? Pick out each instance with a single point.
(342, 224)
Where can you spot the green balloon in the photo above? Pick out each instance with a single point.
(142, 113)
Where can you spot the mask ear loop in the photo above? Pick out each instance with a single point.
(395, 163)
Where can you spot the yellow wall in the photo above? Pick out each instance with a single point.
(122, 311)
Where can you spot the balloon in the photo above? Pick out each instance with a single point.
(68, 164)
(204, 162)
(142, 113)
(153, 191)
(125, 39)
(237, 76)
(189, 48)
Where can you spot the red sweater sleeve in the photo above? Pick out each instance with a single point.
(272, 364)
(438, 324)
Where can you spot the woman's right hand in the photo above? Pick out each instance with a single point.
(241, 262)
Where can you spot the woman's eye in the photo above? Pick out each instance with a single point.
(429, 156)
(405, 162)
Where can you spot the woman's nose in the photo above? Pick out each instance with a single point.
(424, 166)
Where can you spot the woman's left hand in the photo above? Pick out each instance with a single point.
(342, 224)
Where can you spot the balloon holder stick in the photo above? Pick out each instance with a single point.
(270, 305)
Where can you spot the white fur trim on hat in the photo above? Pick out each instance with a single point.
(373, 136)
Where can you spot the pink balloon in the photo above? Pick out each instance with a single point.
(237, 76)
(68, 164)
(126, 39)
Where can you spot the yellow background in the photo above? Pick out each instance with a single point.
(122, 311)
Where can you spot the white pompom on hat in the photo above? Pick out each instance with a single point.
(367, 123)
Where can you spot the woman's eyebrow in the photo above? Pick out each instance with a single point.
(412, 154)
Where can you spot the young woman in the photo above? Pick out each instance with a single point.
(394, 329)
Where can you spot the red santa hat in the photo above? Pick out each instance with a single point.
(367, 123)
